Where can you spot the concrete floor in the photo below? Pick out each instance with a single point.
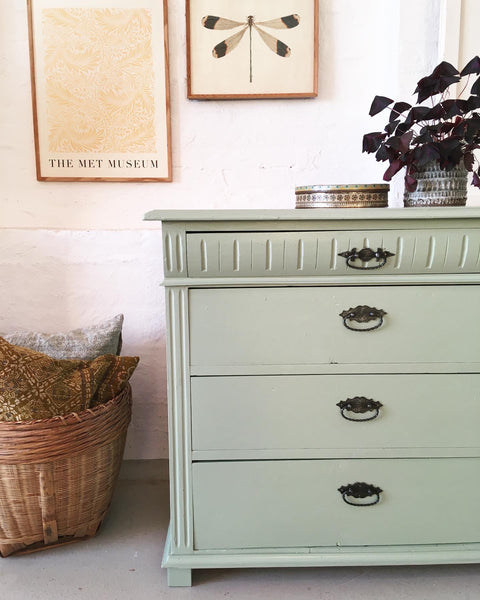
(123, 563)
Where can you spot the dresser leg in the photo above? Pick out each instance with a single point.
(179, 577)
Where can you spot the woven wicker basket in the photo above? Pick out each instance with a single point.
(57, 475)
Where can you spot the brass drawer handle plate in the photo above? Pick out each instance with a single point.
(365, 255)
(359, 491)
(359, 405)
(363, 314)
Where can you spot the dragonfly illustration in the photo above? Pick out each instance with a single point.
(230, 43)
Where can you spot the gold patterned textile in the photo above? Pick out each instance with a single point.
(120, 370)
(36, 386)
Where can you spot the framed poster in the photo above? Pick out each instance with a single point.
(100, 92)
(252, 48)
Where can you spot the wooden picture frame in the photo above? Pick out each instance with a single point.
(100, 90)
(241, 49)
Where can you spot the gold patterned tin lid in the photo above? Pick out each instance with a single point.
(352, 195)
(343, 187)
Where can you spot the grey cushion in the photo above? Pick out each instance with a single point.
(86, 343)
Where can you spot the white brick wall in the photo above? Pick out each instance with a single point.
(72, 253)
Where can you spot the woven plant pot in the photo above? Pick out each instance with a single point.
(437, 187)
(57, 475)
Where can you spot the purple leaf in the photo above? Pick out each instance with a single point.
(403, 128)
(476, 88)
(476, 179)
(401, 143)
(469, 161)
(378, 104)
(394, 168)
(459, 128)
(442, 77)
(444, 69)
(435, 112)
(455, 107)
(425, 137)
(472, 133)
(446, 127)
(419, 113)
(451, 152)
(425, 154)
(372, 141)
(390, 128)
(401, 107)
(385, 153)
(472, 103)
(410, 183)
(405, 140)
(426, 87)
(471, 67)
(450, 107)
(462, 106)
(445, 82)
(434, 129)
(449, 144)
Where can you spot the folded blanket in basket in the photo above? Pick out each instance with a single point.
(34, 385)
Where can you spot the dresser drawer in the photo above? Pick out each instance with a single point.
(302, 412)
(297, 503)
(303, 326)
(295, 253)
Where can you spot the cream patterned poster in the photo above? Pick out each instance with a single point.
(100, 90)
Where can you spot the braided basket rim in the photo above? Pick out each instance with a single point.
(50, 439)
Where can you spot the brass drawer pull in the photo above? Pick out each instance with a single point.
(359, 405)
(360, 490)
(366, 255)
(363, 314)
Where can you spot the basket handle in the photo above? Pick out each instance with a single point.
(47, 503)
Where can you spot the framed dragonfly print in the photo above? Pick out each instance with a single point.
(100, 90)
(252, 48)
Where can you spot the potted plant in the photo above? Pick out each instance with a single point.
(435, 142)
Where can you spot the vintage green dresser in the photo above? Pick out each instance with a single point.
(324, 387)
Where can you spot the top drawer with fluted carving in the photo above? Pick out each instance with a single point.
(310, 253)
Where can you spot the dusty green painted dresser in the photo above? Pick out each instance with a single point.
(324, 387)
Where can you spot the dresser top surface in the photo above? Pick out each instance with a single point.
(314, 214)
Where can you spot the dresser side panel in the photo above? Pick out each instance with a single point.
(178, 391)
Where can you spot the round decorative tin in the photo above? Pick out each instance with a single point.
(362, 195)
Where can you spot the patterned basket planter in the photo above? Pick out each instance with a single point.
(437, 187)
